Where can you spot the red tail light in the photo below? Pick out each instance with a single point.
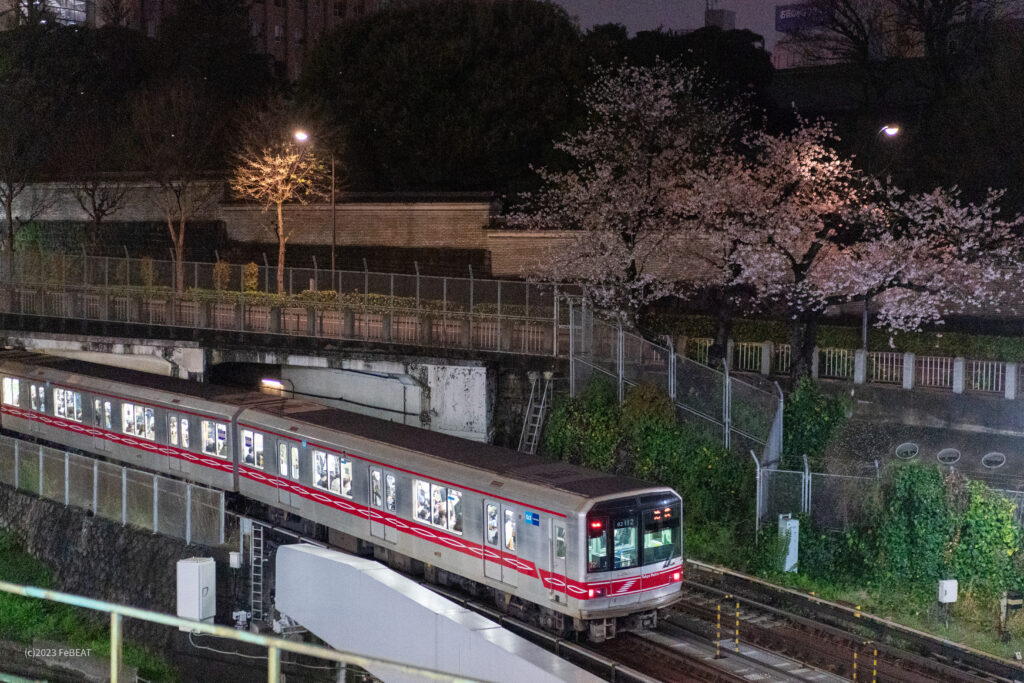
(596, 525)
(591, 593)
(677, 576)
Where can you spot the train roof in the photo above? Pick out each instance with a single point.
(494, 459)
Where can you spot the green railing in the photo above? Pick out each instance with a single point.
(274, 646)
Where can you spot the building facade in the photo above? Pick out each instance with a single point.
(283, 29)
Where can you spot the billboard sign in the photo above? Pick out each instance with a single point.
(796, 17)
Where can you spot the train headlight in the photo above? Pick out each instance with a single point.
(596, 593)
(677, 576)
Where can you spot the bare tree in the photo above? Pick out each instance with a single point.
(25, 148)
(90, 156)
(116, 12)
(176, 130)
(275, 167)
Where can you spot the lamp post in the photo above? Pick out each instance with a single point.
(302, 136)
(888, 130)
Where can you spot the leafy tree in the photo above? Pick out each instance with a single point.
(467, 109)
(274, 167)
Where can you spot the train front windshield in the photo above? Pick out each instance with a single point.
(630, 533)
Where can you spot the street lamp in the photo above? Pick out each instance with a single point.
(889, 130)
(302, 136)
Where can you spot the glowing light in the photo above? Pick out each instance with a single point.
(678, 576)
(595, 525)
(591, 593)
(301, 135)
(891, 130)
(272, 383)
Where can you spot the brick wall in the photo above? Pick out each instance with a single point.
(514, 252)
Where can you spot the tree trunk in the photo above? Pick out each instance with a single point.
(803, 339)
(8, 263)
(280, 249)
(723, 330)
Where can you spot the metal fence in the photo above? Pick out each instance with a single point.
(742, 415)
(121, 494)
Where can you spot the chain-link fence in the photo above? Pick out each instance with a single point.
(744, 416)
(132, 497)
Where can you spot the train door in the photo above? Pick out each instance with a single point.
(492, 540)
(558, 548)
(284, 493)
(509, 546)
(383, 499)
(376, 498)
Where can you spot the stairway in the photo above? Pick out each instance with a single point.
(536, 408)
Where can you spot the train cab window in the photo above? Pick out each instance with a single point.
(625, 548)
(492, 525)
(67, 404)
(215, 438)
(597, 544)
(332, 472)
(12, 391)
(390, 494)
(455, 511)
(252, 448)
(510, 531)
(661, 534)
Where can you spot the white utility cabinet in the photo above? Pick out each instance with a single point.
(197, 589)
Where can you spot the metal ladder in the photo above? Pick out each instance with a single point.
(535, 411)
(256, 576)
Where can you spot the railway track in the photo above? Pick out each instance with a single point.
(831, 636)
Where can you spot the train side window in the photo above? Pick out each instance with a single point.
(77, 398)
(252, 448)
(172, 429)
(438, 513)
(32, 393)
(492, 525)
(150, 424)
(510, 530)
(108, 419)
(10, 391)
(127, 418)
(295, 463)
(624, 540)
(222, 440)
(376, 495)
(320, 469)
(215, 438)
(282, 459)
(455, 511)
(97, 412)
(42, 399)
(421, 494)
(140, 421)
(184, 432)
(390, 493)
(597, 545)
(560, 542)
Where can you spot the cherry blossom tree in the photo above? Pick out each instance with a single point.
(813, 233)
(647, 131)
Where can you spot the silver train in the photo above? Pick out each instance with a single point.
(573, 549)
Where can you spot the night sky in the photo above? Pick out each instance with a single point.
(639, 15)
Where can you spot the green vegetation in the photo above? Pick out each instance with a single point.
(642, 439)
(26, 619)
(915, 526)
(811, 418)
